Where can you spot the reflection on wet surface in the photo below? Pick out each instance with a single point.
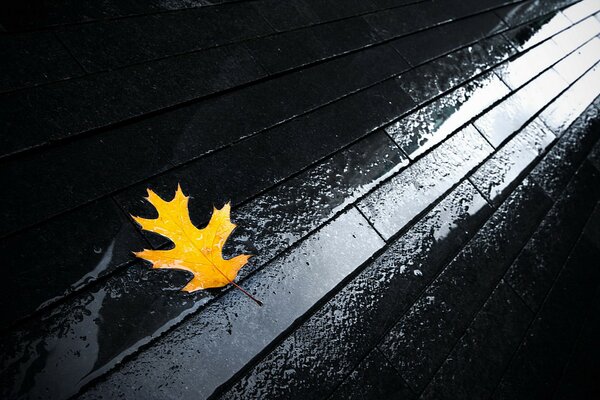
(429, 330)
(533, 272)
(423, 129)
(267, 225)
(365, 307)
(289, 286)
(61, 350)
(561, 162)
(280, 217)
(575, 36)
(528, 65)
(501, 172)
(76, 254)
(562, 112)
(397, 202)
(578, 62)
(510, 115)
(80, 339)
(527, 36)
(432, 79)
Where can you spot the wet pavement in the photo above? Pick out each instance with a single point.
(418, 181)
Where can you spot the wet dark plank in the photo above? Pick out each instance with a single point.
(118, 308)
(594, 156)
(404, 20)
(294, 49)
(397, 202)
(421, 130)
(475, 365)
(535, 269)
(524, 12)
(63, 255)
(133, 40)
(39, 115)
(538, 364)
(556, 168)
(289, 287)
(445, 73)
(420, 342)
(366, 307)
(592, 229)
(34, 58)
(75, 173)
(213, 123)
(374, 379)
(284, 16)
(288, 148)
(502, 172)
(39, 14)
(276, 220)
(580, 377)
(431, 43)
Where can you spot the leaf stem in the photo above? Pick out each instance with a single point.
(247, 294)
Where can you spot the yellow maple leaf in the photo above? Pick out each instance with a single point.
(198, 251)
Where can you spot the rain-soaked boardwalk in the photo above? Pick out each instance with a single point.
(418, 179)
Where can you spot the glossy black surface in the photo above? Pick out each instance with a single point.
(397, 202)
(64, 254)
(308, 45)
(74, 174)
(343, 133)
(445, 73)
(535, 269)
(77, 161)
(288, 287)
(431, 43)
(134, 40)
(468, 372)
(34, 58)
(594, 156)
(39, 115)
(498, 175)
(374, 378)
(579, 375)
(553, 332)
(285, 149)
(366, 307)
(31, 15)
(268, 225)
(199, 128)
(555, 170)
(431, 124)
(418, 343)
